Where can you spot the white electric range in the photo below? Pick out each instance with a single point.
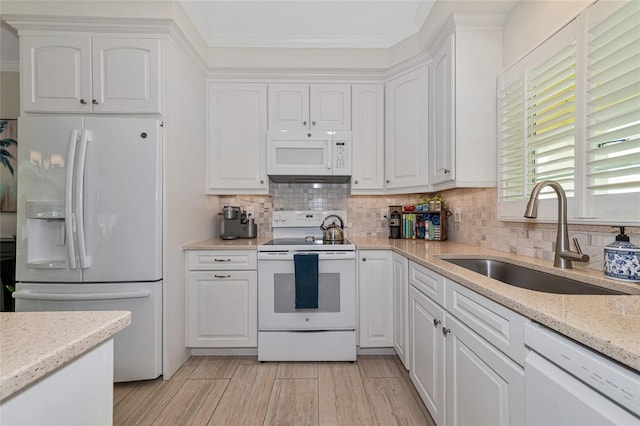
(323, 333)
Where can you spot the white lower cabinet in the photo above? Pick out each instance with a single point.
(400, 307)
(484, 386)
(426, 352)
(222, 308)
(466, 354)
(376, 298)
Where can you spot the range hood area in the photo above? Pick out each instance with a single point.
(309, 179)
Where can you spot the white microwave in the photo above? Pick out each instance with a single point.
(308, 154)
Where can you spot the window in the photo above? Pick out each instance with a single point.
(613, 106)
(570, 112)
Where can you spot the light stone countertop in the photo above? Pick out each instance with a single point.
(607, 324)
(33, 344)
(220, 244)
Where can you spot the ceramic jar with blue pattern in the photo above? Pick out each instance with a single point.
(622, 259)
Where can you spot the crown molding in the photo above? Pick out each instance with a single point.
(9, 66)
(303, 75)
(43, 23)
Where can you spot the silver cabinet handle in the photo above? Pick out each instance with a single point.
(355, 182)
(261, 181)
(446, 331)
(313, 123)
(222, 276)
(304, 123)
(446, 171)
(93, 101)
(222, 260)
(364, 259)
(436, 322)
(388, 181)
(83, 102)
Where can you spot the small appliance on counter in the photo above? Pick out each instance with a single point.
(622, 259)
(234, 224)
(395, 222)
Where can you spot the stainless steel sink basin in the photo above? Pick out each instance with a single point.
(520, 276)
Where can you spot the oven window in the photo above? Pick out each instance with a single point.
(285, 293)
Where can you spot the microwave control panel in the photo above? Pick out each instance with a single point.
(341, 153)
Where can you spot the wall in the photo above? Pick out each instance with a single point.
(532, 22)
(9, 108)
(188, 212)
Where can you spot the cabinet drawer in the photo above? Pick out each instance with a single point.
(216, 260)
(500, 326)
(428, 282)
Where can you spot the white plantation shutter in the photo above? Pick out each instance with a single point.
(511, 161)
(613, 120)
(581, 119)
(551, 109)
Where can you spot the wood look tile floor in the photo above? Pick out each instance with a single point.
(239, 390)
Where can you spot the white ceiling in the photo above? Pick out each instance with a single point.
(306, 23)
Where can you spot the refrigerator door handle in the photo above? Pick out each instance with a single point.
(28, 295)
(68, 200)
(79, 196)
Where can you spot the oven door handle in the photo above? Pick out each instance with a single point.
(322, 255)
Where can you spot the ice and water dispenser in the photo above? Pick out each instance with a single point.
(46, 235)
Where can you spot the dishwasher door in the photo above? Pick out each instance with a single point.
(554, 397)
(569, 384)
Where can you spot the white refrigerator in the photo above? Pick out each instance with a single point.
(89, 231)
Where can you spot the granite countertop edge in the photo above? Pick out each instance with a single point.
(35, 344)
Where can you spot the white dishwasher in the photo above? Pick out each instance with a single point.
(569, 384)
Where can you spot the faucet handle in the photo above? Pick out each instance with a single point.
(575, 242)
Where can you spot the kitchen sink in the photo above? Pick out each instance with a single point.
(523, 277)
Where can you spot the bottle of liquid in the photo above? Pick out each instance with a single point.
(622, 259)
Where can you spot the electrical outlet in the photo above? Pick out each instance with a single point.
(250, 212)
(457, 216)
(384, 213)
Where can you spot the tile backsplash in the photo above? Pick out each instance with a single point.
(478, 226)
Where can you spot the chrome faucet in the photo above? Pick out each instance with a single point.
(564, 255)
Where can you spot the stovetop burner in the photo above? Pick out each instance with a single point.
(300, 230)
(304, 242)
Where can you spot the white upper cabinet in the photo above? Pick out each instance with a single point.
(467, 60)
(443, 133)
(236, 138)
(407, 132)
(367, 138)
(83, 74)
(310, 106)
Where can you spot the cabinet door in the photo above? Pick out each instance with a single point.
(236, 138)
(442, 127)
(427, 350)
(407, 137)
(376, 298)
(222, 309)
(288, 106)
(126, 75)
(330, 106)
(367, 138)
(484, 387)
(400, 305)
(55, 74)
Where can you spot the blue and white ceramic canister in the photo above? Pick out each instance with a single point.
(622, 259)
